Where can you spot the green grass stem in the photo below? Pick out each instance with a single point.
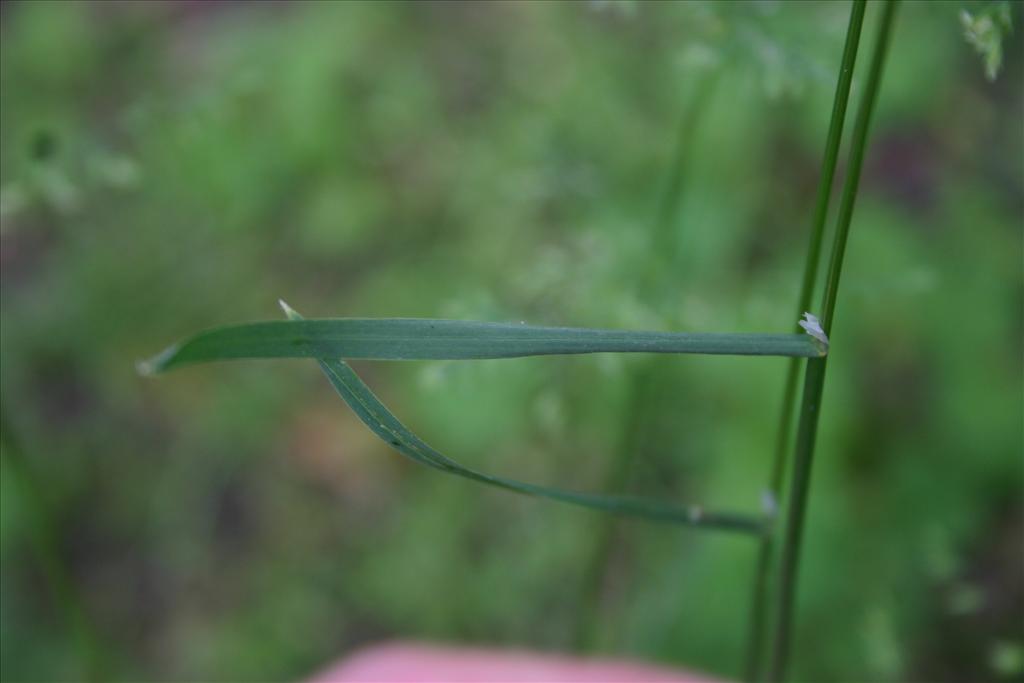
(814, 380)
(755, 641)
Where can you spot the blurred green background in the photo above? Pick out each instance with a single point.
(170, 167)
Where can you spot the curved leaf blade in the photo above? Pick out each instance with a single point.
(390, 429)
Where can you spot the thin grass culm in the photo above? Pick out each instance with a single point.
(810, 408)
(759, 599)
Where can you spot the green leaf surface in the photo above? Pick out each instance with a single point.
(390, 429)
(384, 424)
(426, 339)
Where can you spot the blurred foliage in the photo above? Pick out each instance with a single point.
(985, 31)
(167, 167)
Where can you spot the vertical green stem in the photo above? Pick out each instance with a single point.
(755, 642)
(815, 377)
(857, 151)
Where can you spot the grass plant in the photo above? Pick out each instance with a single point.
(333, 341)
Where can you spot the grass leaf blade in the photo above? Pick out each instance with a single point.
(385, 425)
(390, 429)
(427, 339)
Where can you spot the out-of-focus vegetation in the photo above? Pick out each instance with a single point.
(167, 167)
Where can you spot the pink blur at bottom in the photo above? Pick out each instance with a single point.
(418, 663)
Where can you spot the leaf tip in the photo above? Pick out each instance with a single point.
(288, 310)
(158, 363)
